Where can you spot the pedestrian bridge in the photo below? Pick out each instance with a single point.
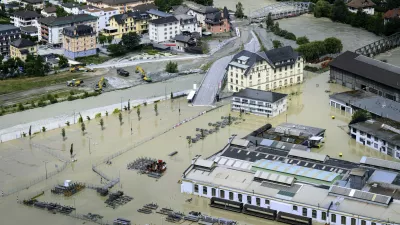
(281, 10)
(380, 46)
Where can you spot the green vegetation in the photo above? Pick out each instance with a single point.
(282, 33)
(98, 115)
(302, 40)
(171, 67)
(262, 47)
(93, 59)
(239, 10)
(156, 109)
(314, 50)
(80, 119)
(151, 51)
(339, 12)
(204, 2)
(269, 22)
(120, 118)
(102, 124)
(138, 112)
(116, 111)
(206, 66)
(360, 116)
(63, 133)
(83, 128)
(165, 5)
(43, 129)
(129, 42)
(277, 44)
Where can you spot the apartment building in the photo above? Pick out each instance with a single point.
(21, 48)
(378, 136)
(217, 22)
(268, 70)
(8, 33)
(28, 19)
(188, 24)
(79, 41)
(259, 102)
(37, 4)
(163, 29)
(200, 11)
(122, 5)
(129, 22)
(366, 6)
(49, 11)
(51, 28)
(104, 16)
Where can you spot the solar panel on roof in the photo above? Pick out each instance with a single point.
(360, 195)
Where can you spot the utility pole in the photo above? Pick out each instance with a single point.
(45, 167)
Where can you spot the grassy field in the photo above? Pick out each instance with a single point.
(95, 59)
(23, 84)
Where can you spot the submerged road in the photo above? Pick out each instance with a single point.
(209, 87)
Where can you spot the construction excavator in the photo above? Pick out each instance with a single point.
(143, 73)
(99, 86)
(74, 83)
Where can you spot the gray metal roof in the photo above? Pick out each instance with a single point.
(204, 163)
(284, 56)
(27, 14)
(381, 176)
(201, 8)
(350, 96)
(379, 72)
(4, 27)
(379, 106)
(158, 13)
(360, 195)
(163, 20)
(274, 177)
(302, 130)
(254, 94)
(375, 129)
(380, 163)
(307, 155)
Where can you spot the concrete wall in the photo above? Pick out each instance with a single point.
(267, 108)
(281, 205)
(73, 55)
(340, 105)
(359, 83)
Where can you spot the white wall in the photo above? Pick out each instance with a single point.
(369, 10)
(268, 109)
(200, 17)
(188, 187)
(163, 32)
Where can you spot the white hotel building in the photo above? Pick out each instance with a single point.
(259, 102)
(163, 29)
(268, 70)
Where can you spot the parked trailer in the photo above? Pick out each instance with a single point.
(226, 204)
(293, 219)
(258, 211)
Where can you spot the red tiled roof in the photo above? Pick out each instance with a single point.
(394, 13)
(360, 3)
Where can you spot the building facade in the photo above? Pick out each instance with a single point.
(391, 15)
(122, 5)
(129, 22)
(188, 24)
(8, 33)
(37, 4)
(268, 70)
(217, 23)
(21, 48)
(26, 19)
(200, 12)
(104, 16)
(359, 72)
(366, 6)
(163, 29)
(49, 11)
(378, 136)
(51, 28)
(156, 14)
(79, 41)
(259, 102)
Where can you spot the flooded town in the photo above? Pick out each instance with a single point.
(200, 112)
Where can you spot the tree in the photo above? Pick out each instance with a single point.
(83, 128)
(120, 118)
(229, 119)
(333, 45)
(63, 133)
(48, 4)
(30, 131)
(204, 2)
(277, 44)
(130, 41)
(102, 124)
(171, 67)
(102, 39)
(110, 39)
(239, 10)
(71, 150)
(302, 40)
(202, 133)
(322, 9)
(129, 104)
(138, 112)
(339, 11)
(60, 12)
(80, 119)
(156, 109)
(391, 27)
(360, 116)
(269, 22)
(276, 28)
(360, 19)
(189, 139)
(116, 49)
(62, 62)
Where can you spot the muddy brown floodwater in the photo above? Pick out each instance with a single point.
(310, 106)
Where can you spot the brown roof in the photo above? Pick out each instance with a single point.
(360, 3)
(394, 13)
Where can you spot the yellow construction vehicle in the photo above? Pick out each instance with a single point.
(74, 83)
(100, 85)
(143, 73)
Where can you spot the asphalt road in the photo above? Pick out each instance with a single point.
(207, 91)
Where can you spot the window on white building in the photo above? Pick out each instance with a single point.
(343, 220)
(240, 197)
(353, 221)
(304, 211)
(323, 215)
(248, 199)
(205, 189)
(213, 192)
(196, 188)
(333, 218)
(295, 208)
(230, 195)
(314, 213)
(258, 201)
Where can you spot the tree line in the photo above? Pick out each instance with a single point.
(315, 49)
(129, 42)
(338, 12)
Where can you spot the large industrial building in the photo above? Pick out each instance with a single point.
(274, 181)
(363, 73)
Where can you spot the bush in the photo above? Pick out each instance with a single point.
(98, 115)
(171, 67)
(21, 107)
(86, 94)
(43, 129)
(302, 40)
(145, 103)
(71, 92)
(67, 123)
(71, 98)
(116, 111)
(41, 103)
(290, 36)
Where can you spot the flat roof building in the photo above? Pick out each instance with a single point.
(363, 73)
